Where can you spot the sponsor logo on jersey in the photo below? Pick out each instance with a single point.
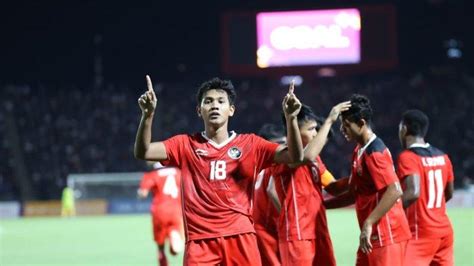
(201, 152)
(234, 153)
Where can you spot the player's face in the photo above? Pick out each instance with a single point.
(308, 131)
(215, 108)
(350, 130)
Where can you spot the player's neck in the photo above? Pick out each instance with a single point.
(217, 134)
(365, 137)
(410, 140)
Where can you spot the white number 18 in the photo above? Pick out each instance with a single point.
(218, 170)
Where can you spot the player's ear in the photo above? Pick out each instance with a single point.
(231, 110)
(198, 111)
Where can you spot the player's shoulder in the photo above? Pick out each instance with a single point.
(426, 150)
(376, 146)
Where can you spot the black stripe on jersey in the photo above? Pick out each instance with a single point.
(376, 146)
(427, 152)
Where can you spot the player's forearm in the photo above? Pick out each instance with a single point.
(295, 145)
(315, 146)
(338, 187)
(345, 199)
(143, 137)
(409, 197)
(391, 195)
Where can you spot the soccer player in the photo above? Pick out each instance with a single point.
(219, 170)
(302, 224)
(68, 208)
(375, 189)
(427, 177)
(167, 218)
(265, 209)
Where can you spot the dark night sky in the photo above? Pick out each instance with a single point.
(53, 41)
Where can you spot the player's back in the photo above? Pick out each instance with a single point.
(427, 216)
(164, 184)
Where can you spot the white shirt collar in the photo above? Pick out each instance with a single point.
(216, 145)
(362, 150)
(419, 145)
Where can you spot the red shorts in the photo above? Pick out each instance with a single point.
(307, 252)
(392, 255)
(268, 247)
(235, 250)
(164, 224)
(430, 251)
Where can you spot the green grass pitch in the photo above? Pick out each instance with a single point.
(127, 240)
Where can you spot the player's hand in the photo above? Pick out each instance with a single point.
(365, 245)
(337, 110)
(291, 104)
(142, 193)
(147, 101)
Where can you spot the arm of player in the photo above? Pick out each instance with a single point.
(391, 195)
(412, 190)
(142, 193)
(337, 187)
(449, 191)
(144, 149)
(291, 107)
(342, 200)
(314, 147)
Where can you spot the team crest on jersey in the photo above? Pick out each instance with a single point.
(234, 153)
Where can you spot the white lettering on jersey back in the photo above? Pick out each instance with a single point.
(433, 161)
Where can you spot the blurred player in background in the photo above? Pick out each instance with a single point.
(375, 189)
(68, 207)
(265, 209)
(427, 178)
(167, 218)
(219, 169)
(302, 225)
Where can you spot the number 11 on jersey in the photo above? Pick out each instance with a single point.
(218, 170)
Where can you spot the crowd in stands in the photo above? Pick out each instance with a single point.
(49, 132)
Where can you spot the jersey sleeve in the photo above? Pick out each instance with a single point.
(174, 150)
(381, 169)
(407, 164)
(449, 169)
(147, 181)
(265, 152)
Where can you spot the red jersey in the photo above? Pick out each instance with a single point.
(218, 181)
(164, 184)
(299, 191)
(265, 214)
(372, 171)
(427, 216)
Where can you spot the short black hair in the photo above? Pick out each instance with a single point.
(360, 109)
(271, 131)
(217, 84)
(305, 114)
(417, 123)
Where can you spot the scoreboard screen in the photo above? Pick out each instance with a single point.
(310, 37)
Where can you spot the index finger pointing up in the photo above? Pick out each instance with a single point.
(292, 87)
(148, 83)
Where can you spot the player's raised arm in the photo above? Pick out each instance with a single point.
(313, 149)
(291, 107)
(144, 149)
